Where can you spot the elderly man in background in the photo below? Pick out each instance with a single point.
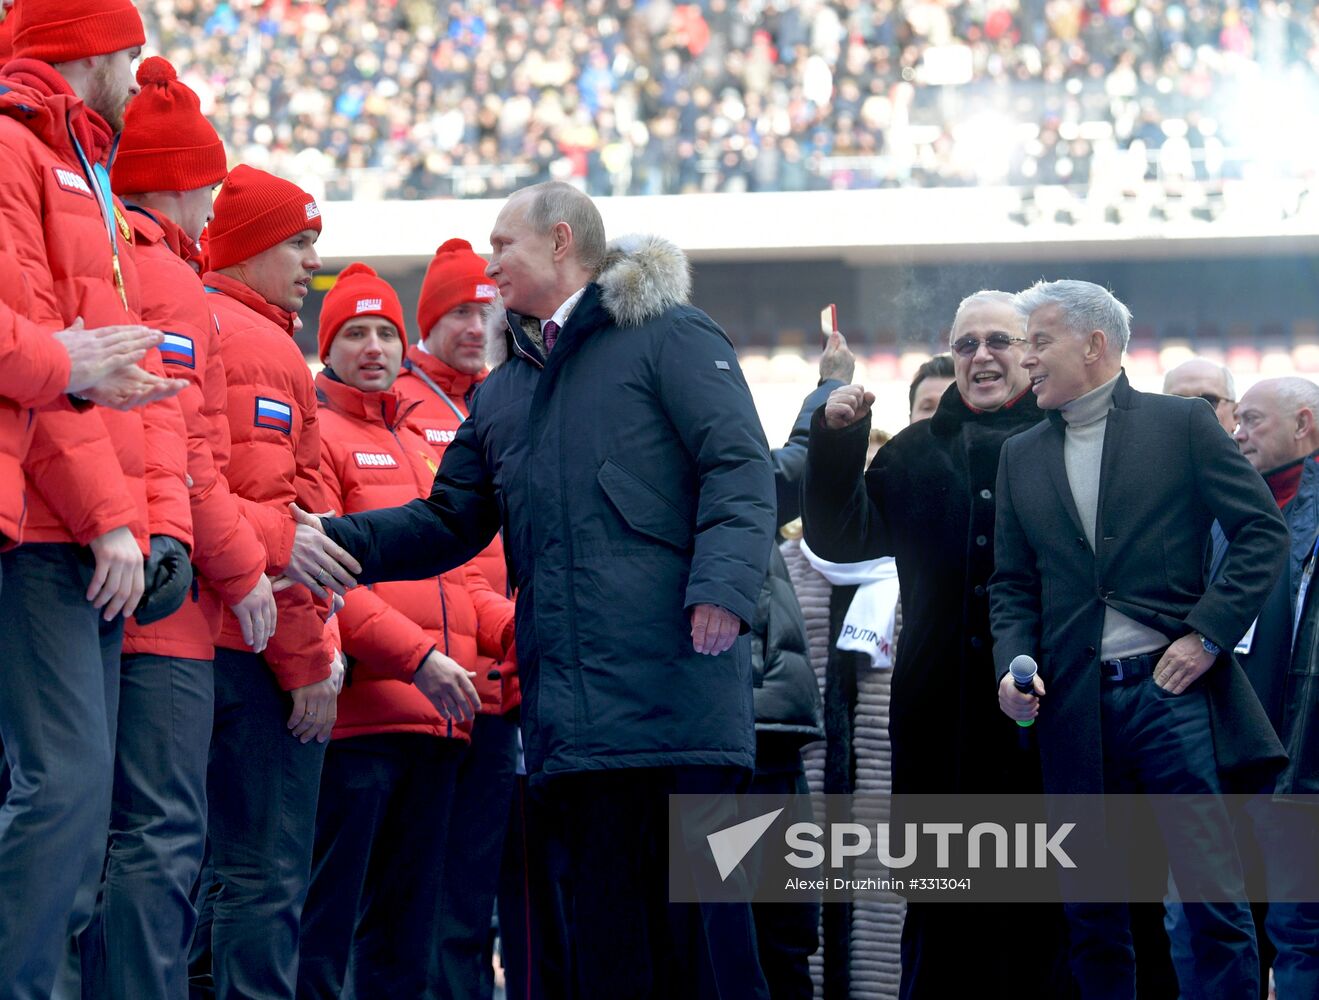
(1209, 381)
(1279, 435)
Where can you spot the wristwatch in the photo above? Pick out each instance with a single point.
(1211, 647)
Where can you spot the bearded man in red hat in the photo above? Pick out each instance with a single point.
(169, 161)
(108, 487)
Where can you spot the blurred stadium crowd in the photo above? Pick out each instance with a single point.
(361, 99)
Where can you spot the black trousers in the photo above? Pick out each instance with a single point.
(262, 785)
(787, 934)
(461, 963)
(372, 912)
(608, 854)
(531, 918)
(59, 684)
(136, 945)
(146, 914)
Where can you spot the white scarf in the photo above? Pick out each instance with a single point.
(871, 617)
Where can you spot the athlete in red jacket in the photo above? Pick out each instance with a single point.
(262, 781)
(440, 374)
(169, 160)
(101, 478)
(388, 789)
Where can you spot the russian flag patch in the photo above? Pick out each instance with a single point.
(274, 415)
(176, 349)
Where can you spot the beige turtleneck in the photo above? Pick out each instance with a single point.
(1083, 453)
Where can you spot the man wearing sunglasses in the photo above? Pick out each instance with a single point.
(928, 499)
(1211, 382)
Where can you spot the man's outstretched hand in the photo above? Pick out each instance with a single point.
(714, 629)
(318, 563)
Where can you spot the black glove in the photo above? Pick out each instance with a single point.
(168, 575)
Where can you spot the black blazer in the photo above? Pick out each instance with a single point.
(1168, 471)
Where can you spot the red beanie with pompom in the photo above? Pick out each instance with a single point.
(358, 291)
(167, 144)
(456, 274)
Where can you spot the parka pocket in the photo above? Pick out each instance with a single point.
(645, 509)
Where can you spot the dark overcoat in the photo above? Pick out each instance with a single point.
(1167, 472)
(928, 500)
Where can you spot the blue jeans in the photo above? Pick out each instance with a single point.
(1286, 834)
(1162, 744)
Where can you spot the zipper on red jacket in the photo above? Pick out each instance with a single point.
(393, 432)
(434, 387)
(444, 607)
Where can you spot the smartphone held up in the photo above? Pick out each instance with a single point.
(828, 324)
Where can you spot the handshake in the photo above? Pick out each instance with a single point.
(318, 563)
(325, 568)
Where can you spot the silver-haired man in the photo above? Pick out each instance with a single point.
(1102, 518)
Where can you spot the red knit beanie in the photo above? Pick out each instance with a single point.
(455, 275)
(254, 211)
(358, 291)
(56, 31)
(167, 143)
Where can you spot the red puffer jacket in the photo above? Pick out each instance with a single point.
(274, 460)
(34, 369)
(371, 459)
(81, 465)
(227, 553)
(442, 394)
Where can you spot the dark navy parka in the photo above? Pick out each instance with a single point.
(631, 480)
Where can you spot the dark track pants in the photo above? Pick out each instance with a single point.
(146, 916)
(262, 785)
(531, 918)
(59, 683)
(372, 913)
(461, 968)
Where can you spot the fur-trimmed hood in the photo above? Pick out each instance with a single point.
(642, 276)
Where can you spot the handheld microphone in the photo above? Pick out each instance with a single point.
(1023, 670)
